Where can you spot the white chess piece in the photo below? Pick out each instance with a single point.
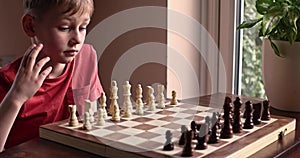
(116, 113)
(102, 104)
(139, 101)
(87, 124)
(151, 99)
(89, 109)
(127, 105)
(73, 118)
(100, 121)
(160, 96)
(174, 99)
(113, 96)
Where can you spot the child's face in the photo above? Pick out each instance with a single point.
(61, 34)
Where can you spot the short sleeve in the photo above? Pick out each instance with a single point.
(86, 83)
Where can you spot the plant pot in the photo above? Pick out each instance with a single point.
(281, 76)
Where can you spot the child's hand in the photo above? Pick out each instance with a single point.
(30, 75)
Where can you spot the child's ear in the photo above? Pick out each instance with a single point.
(28, 25)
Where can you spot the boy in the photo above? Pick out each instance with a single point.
(52, 74)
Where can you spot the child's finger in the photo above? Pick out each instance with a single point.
(40, 64)
(25, 56)
(44, 74)
(31, 59)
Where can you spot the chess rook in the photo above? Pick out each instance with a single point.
(256, 113)
(73, 121)
(266, 113)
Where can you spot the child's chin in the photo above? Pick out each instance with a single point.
(68, 60)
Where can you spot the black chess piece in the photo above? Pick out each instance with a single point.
(226, 131)
(237, 123)
(182, 137)
(248, 124)
(193, 128)
(256, 113)
(169, 144)
(202, 137)
(214, 133)
(266, 111)
(187, 149)
(208, 122)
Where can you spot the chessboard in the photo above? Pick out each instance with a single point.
(144, 135)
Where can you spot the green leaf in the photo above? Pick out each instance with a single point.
(263, 6)
(271, 20)
(249, 24)
(275, 48)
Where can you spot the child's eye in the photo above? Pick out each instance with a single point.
(82, 28)
(63, 28)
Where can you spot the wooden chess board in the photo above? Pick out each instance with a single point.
(144, 135)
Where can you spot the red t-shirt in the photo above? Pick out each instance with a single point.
(50, 103)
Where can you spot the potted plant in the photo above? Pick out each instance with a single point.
(279, 25)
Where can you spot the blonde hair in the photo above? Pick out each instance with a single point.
(40, 7)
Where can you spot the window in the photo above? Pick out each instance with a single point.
(249, 55)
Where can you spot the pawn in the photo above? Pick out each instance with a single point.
(102, 104)
(202, 137)
(248, 124)
(187, 149)
(127, 105)
(194, 128)
(151, 99)
(169, 144)
(87, 124)
(256, 114)
(208, 122)
(182, 137)
(139, 101)
(89, 108)
(174, 99)
(113, 96)
(160, 96)
(214, 134)
(139, 107)
(116, 113)
(226, 131)
(73, 121)
(266, 113)
(100, 121)
(237, 123)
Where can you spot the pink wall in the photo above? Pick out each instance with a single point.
(13, 42)
(148, 73)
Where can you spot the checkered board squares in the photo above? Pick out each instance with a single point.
(146, 133)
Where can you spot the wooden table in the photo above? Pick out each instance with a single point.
(289, 146)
